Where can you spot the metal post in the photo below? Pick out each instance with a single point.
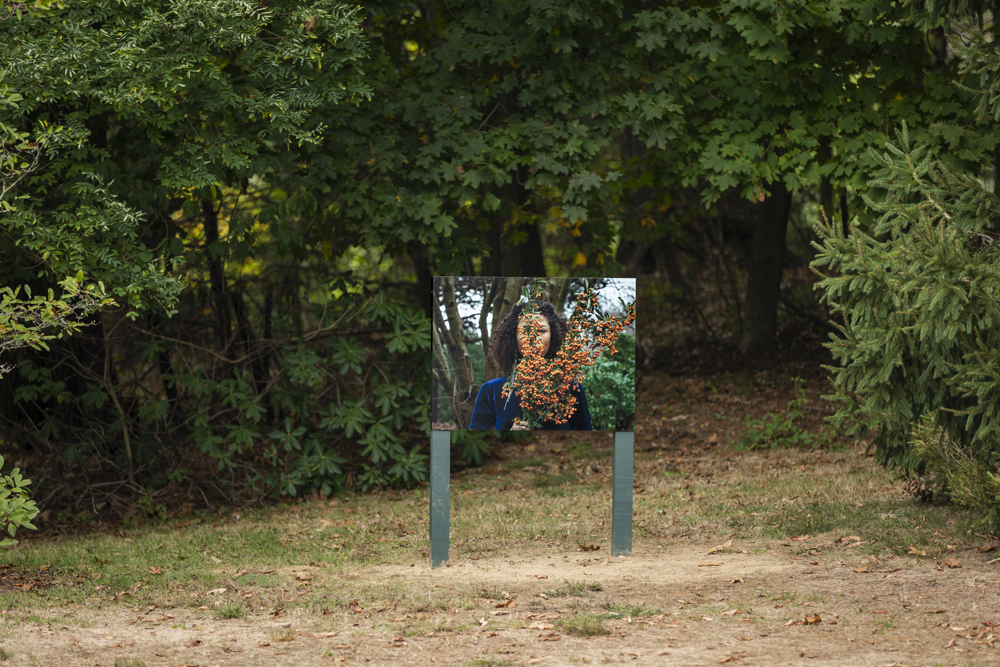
(621, 495)
(440, 492)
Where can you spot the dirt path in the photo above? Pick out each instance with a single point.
(664, 605)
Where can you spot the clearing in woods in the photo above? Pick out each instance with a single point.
(764, 557)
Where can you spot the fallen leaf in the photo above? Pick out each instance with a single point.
(304, 576)
(156, 570)
(241, 573)
(917, 552)
(737, 580)
(953, 629)
(541, 625)
(710, 564)
(541, 576)
(506, 603)
(217, 591)
(319, 635)
(551, 637)
(951, 643)
(483, 622)
(196, 642)
(263, 644)
(934, 611)
(592, 547)
(731, 612)
(801, 539)
(861, 570)
(987, 548)
(953, 562)
(732, 658)
(813, 619)
(848, 538)
(721, 547)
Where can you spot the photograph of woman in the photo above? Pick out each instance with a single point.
(514, 354)
(494, 412)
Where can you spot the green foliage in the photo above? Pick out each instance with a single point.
(32, 321)
(967, 476)
(918, 343)
(191, 140)
(16, 508)
(610, 385)
(230, 610)
(584, 625)
(919, 334)
(776, 431)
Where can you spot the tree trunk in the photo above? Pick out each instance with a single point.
(425, 279)
(531, 252)
(507, 293)
(216, 274)
(463, 392)
(767, 256)
(484, 334)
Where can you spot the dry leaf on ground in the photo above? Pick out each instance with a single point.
(953, 562)
(721, 547)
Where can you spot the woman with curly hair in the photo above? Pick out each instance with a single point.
(493, 412)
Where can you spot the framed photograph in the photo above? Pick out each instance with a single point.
(533, 353)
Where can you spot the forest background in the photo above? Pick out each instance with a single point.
(265, 190)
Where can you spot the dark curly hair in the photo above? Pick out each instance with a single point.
(503, 342)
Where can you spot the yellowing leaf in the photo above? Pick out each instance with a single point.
(580, 259)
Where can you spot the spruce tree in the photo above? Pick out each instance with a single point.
(919, 297)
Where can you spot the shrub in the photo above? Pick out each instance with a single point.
(16, 509)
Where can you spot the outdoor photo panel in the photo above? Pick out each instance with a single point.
(513, 353)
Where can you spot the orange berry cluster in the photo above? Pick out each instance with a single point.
(544, 385)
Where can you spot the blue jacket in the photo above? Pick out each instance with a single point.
(490, 414)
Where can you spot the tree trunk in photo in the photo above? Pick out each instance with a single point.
(462, 394)
(767, 256)
(494, 287)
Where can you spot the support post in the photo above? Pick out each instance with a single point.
(440, 492)
(621, 495)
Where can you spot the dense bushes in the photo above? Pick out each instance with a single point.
(610, 387)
